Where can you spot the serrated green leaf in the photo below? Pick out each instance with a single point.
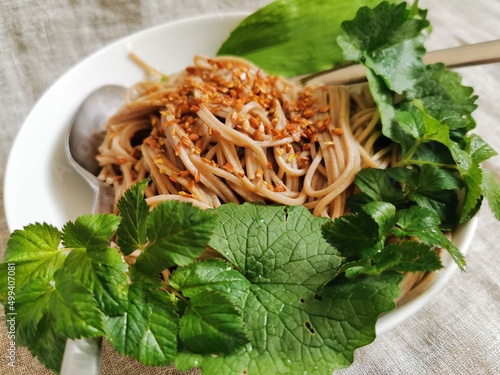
(131, 233)
(35, 252)
(491, 189)
(74, 308)
(269, 243)
(389, 40)
(178, 233)
(31, 304)
(473, 193)
(378, 185)
(98, 267)
(444, 97)
(478, 149)
(321, 333)
(211, 275)
(147, 331)
(355, 236)
(35, 326)
(431, 187)
(68, 304)
(90, 231)
(407, 256)
(103, 271)
(49, 345)
(212, 324)
(280, 250)
(282, 36)
(384, 215)
(424, 224)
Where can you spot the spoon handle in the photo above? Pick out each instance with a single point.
(469, 55)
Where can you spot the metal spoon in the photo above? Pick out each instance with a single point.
(83, 356)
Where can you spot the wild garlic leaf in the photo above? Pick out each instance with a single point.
(282, 36)
(35, 252)
(147, 331)
(131, 233)
(211, 275)
(491, 189)
(281, 251)
(177, 234)
(388, 39)
(211, 324)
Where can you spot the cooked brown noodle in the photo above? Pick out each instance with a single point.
(224, 131)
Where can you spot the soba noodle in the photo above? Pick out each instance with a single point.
(224, 131)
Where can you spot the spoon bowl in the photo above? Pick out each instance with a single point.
(85, 135)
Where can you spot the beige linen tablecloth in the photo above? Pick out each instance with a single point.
(457, 332)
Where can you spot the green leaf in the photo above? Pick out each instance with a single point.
(35, 252)
(212, 324)
(444, 97)
(100, 268)
(148, 329)
(49, 344)
(491, 189)
(431, 187)
(208, 276)
(178, 233)
(282, 36)
(356, 236)
(35, 326)
(384, 215)
(69, 305)
(32, 304)
(131, 233)
(280, 250)
(411, 256)
(74, 308)
(90, 231)
(473, 193)
(378, 185)
(424, 224)
(270, 243)
(103, 271)
(478, 149)
(389, 40)
(321, 332)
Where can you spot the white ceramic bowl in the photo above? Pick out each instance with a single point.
(40, 184)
